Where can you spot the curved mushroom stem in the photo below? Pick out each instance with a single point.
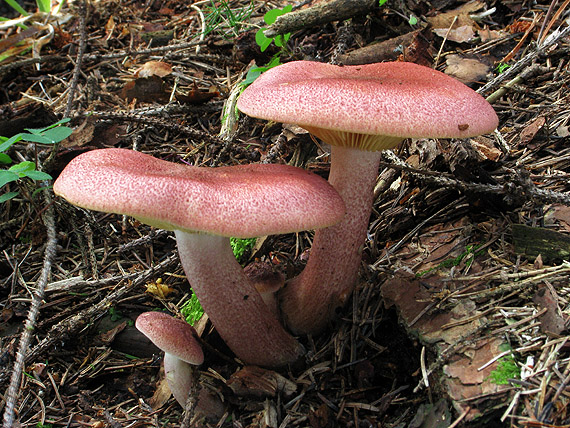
(310, 300)
(233, 304)
(180, 378)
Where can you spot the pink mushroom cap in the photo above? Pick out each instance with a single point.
(171, 335)
(242, 201)
(396, 100)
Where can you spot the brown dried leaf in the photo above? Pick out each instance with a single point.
(444, 20)
(461, 34)
(530, 131)
(154, 68)
(258, 382)
(467, 70)
(109, 336)
(486, 149)
(552, 320)
(196, 96)
(161, 394)
(485, 34)
(562, 214)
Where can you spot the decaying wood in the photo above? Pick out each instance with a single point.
(538, 241)
(322, 13)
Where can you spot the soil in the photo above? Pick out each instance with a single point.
(460, 316)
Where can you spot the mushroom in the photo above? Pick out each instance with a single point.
(267, 282)
(182, 350)
(359, 110)
(205, 206)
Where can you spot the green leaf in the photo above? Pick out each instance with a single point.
(382, 2)
(262, 41)
(22, 168)
(58, 134)
(7, 177)
(7, 196)
(272, 15)
(44, 5)
(413, 20)
(7, 143)
(40, 130)
(5, 159)
(36, 138)
(38, 175)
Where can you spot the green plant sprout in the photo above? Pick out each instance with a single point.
(255, 72)
(50, 135)
(501, 67)
(44, 6)
(507, 368)
(240, 247)
(382, 2)
(269, 18)
(264, 42)
(223, 16)
(192, 309)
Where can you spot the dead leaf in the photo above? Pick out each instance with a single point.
(445, 19)
(154, 68)
(552, 321)
(109, 27)
(485, 34)
(461, 34)
(530, 131)
(161, 394)
(109, 336)
(258, 382)
(486, 149)
(158, 289)
(196, 96)
(467, 70)
(562, 214)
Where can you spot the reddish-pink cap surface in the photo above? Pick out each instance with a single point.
(393, 99)
(171, 335)
(242, 201)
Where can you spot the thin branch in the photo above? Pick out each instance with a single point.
(12, 393)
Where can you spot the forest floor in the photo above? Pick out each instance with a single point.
(461, 314)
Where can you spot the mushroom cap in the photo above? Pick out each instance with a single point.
(394, 99)
(171, 335)
(242, 201)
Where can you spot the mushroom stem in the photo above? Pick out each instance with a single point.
(181, 378)
(233, 304)
(310, 300)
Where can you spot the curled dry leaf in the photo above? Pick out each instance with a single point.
(154, 68)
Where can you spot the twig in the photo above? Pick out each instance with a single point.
(322, 13)
(525, 61)
(12, 393)
(78, 61)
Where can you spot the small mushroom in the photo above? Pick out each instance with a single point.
(204, 207)
(359, 110)
(182, 350)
